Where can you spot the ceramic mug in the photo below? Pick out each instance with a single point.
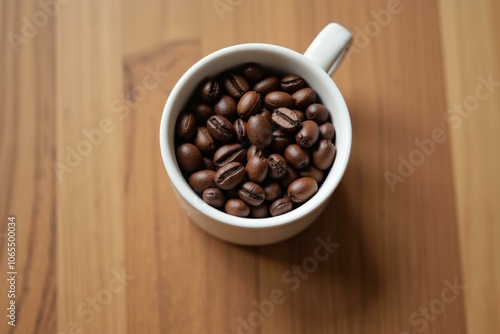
(316, 65)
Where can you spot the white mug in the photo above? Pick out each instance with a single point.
(315, 66)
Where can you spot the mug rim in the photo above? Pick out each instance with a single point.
(180, 183)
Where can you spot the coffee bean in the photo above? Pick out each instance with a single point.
(185, 128)
(304, 97)
(272, 189)
(208, 163)
(204, 141)
(280, 141)
(201, 112)
(229, 175)
(259, 211)
(278, 99)
(292, 83)
(296, 156)
(256, 169)
(267, 85)
(209, 90)
(300, 114)
(202, 180)
(326, 131)
(252, 71)
(240, 129)
(248, 105)
(308, 134)
(229, 153)
(235, 84)
(251, 193)
(286, 119)
(226, 107)
(237, 207)
(266, 114)
(189, 157)
(280, 206)
(302, 189)
(315, 173)
(259, 131)
(317, 112)
(214, 197)
(277, 166)
(220, 128)
(255, 151)
(324, 154)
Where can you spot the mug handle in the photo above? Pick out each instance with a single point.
(329, 47)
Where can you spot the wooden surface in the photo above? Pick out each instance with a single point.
(102, 246)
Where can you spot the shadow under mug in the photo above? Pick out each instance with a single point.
(316, 65)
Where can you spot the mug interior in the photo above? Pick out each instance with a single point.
(277, 59)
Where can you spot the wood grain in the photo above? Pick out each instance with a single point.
(471, 50)
(107, 68)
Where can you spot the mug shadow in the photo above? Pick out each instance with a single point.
(340, 287)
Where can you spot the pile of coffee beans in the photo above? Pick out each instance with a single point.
(254, 143)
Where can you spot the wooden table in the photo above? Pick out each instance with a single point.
(102, 246)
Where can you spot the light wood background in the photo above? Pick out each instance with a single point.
(115, 211)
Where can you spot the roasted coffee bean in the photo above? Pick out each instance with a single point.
(290, 176)
(266, 86)
(256, 169)
(237, 207)
(278, 99)
(317, 112)
(235, 84)
(251, 193)
(204, 141)
(272, 189)
(229, 153)
(304, 97)
(209, 90)
(229, 175)
(259, 131)
(255, 151)
(252, 71)
(248, 105)
(208, 163)
(201, 112)
(220, 128)
(267, 114)
(214, 197)
(240, 129)
(259, 211)
(292, 83)
(324, 154)
(202, 180)
(185, 128)
(308, 134)
(313, 172)
(280, 206)
(286, 119)
(277, 166)
(189, 157)
(226, 107)
(302, 189)
(301, 115)
(280, 141)
(326, 131)
(296, 156)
